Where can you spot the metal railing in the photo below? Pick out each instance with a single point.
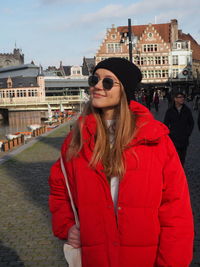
(38, 101)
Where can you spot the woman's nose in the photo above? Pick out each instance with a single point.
(99, 85)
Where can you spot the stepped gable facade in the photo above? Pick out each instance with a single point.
(155, 51)
(11, 59)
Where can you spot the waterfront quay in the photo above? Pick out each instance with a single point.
(26, 238)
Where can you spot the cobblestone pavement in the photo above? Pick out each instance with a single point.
(25, 223)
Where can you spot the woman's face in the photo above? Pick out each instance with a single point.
(107, 100)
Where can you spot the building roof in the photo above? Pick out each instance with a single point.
(194, 45)
(162, 29)
(67, 70)
(90, 62)
(18, 82)
(19, 67)
(88, 65)
(25, 70)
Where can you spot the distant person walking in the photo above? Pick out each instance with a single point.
(169, 98)
(198, 120)
(148, 99)
(196, 102)
(156, 100)
(180, 122)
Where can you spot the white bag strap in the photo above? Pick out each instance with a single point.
(69, 191)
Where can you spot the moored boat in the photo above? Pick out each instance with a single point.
(33, 127)
(12, 136)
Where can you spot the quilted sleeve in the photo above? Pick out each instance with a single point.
(175, 214)
(59, 202)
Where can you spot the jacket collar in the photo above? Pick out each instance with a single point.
(148, 130)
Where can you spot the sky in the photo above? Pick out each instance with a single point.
(50, 31)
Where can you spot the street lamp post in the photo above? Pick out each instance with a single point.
(130, 40)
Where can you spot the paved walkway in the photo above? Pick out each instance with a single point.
(25, 227)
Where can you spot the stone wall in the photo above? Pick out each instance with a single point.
(11, 59)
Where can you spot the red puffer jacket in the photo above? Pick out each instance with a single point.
(154, 224)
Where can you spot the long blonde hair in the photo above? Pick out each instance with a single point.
(110, 156)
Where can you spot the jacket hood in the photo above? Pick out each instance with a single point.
(148, 130)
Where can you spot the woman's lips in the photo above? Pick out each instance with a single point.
(96, 95)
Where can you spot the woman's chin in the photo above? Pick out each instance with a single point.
(97, 104)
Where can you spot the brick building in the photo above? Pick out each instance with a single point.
(164, 54)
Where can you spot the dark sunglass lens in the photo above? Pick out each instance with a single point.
(107, 83)
(93, 80)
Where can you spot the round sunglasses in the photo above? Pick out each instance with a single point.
(107, 83)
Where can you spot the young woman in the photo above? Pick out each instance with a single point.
(126, 179)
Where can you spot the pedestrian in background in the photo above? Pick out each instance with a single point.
(126, 179)
(156, 100)
(198, 120)
(180, 122)
(148, 99)
(168, 96)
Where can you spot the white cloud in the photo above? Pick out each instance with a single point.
(143, 12)
(108, 12)
(66, 1)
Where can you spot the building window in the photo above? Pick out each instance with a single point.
(157, 73)
(151, 73)
(144, 74)
(12, 93)
(165, 60)
(150, 48)
(175, 60)
(157, 60)
(32, 92)
(165, 73)
(137, 60)
(110, 48)
(113, 36)
(114, 48)
(188, 60)
(175, 73)
(117, 48)
(150, 61)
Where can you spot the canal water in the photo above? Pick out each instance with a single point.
(18, 122)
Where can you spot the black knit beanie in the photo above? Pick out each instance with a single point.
(128, 73)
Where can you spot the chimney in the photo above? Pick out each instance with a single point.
(174, 30)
